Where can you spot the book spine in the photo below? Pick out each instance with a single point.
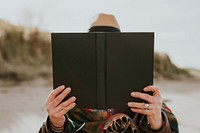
(101, 72)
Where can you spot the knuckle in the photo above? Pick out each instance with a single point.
(53, 93)
(69, 101)
(63, 105)
(65, 93)
(147, 97)
(66, 103)
(155, 88)
(58, 99)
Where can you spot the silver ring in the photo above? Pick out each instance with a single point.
(146, 106)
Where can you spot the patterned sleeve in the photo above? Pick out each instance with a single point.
(171, 118)
(170, 124)
(68, 127)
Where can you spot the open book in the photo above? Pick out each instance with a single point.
(103, 68)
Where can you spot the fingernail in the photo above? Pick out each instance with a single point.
(68, 89)
(74, 98)
(63, 86)
(129, 103)
(132, 93)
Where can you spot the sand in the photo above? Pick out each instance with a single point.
(22, 106)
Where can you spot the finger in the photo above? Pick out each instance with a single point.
(52, 109)
(153, 89)
(61, 96)
(54, 93)
(55, 111)
(63, 105)
(68, 102)
(71, 106)
(142, 111)
(67, 109)
(138, 105)
(143, 96)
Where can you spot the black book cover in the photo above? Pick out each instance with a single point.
(103, 68)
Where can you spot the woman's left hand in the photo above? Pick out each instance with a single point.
(152, 108)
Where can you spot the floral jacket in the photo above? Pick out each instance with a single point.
(112, 121)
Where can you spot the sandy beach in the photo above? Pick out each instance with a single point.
(22, 106)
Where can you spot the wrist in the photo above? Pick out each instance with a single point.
(156, 125)
(55, 125)
(56, 128)
(165, 128)
(57, 122)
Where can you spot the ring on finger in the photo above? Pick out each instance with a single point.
(146, 106)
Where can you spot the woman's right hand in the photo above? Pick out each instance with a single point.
(56, 108)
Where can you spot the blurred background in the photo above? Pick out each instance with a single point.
(25, 53)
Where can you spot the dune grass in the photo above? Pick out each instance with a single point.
(164, 68)
(25, 53)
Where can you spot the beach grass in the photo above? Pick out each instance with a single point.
(25, 53)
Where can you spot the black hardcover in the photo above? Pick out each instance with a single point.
(103, 68)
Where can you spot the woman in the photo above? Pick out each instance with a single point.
(149, 117)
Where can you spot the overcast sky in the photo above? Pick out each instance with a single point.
(176, 23)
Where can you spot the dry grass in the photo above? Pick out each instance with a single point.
(25, 53)
(164, 68)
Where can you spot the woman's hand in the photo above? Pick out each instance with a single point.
(56, 108)
(152, 109)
